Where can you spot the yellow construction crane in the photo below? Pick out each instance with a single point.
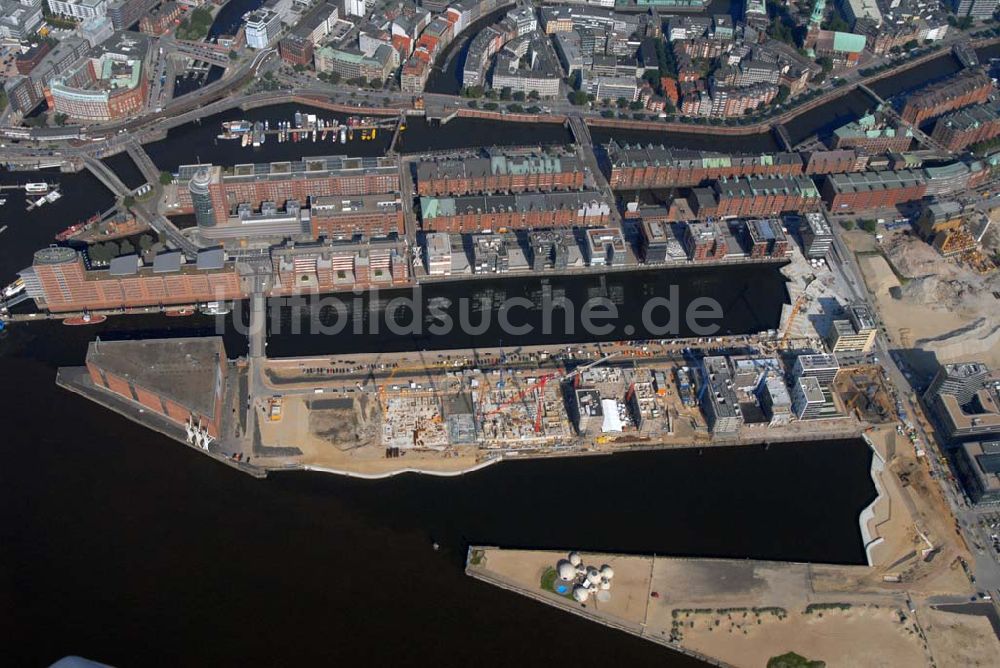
(791, 319)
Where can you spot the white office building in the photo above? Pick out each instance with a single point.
(262, 28)
(355, 7)
(78, 9)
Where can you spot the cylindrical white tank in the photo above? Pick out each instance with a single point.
(605, 584)
(607, 571)
(593, 576)
(581, 593)
(575, 559)
(565, 570)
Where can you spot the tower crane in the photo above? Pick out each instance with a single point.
(540, 386)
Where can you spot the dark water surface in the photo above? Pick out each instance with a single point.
(749, 297)
(124, 546)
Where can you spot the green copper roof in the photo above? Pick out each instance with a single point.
(848, 42)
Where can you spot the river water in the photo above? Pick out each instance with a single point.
(123, 546)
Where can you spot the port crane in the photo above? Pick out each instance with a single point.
(540, 386)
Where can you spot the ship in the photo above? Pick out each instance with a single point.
(215, 308)
(36, 188)
(74, 229)
(237, 127)
(85, 319)
(14, 288)
(343, 134)
(179, 312)
(53, 196)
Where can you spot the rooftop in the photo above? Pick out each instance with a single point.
(182, 370)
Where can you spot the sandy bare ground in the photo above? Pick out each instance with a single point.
(959, 640)
(629, 591)
(320, 435)
(912, 502)
(742, 612)
(865, 636)
(935, 303)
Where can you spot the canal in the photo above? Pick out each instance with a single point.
(437, 316)
(199, 142)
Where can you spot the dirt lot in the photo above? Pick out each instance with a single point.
(930, 302)
(959, 640)
(865, 636)
(343, 434)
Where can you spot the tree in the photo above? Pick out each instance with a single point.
(847, 224)
(166, 178)
(128, 201)
(622, 103)
(652, 77)
(868, 225)
(145, 242)
(299, 67)
(126, 247)
(491, 106)
(234, 55)
(472, 104)
(534, 95)
(782, 95)
(636, 105)
(578, 98)
(519, 96)
(826, 63)
(98, 254)
(505, 93)
(60, 118)
(836, 22)
(515, 108)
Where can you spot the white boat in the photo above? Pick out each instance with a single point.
(215, 308)
(343, 134)
(3, 200)
(3, 229)
(14, 288)
(53, 196)
(36, 188)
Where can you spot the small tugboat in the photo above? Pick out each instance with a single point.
(85, 319)
(179, 312)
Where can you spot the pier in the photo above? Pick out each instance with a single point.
(723, 611)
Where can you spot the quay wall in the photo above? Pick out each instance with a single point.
(868, 512)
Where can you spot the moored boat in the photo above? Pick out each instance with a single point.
(85, 319)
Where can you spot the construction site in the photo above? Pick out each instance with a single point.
(938, 298)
